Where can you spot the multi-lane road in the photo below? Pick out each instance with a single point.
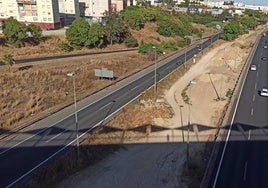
(23, 154)
(243, 159)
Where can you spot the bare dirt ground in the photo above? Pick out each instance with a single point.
(158, 160)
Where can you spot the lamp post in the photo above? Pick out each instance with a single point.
(188, 40)
(189, 121)
(182, 133)
(72, 74)
(155, 86)
(185, 57)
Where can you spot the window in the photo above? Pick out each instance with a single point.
(44, 19)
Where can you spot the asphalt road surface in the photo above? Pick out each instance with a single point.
(243, 161)
(23, 154)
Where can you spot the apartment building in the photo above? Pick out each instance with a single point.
(69, 10)
(95, 9)
(44, 13)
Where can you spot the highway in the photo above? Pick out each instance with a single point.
(243, 159)
(25, 153)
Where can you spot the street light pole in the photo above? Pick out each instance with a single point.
(189, 123)
(72, 74)
(185, 57)
(155, 86)
(182, 133)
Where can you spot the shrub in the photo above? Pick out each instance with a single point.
(171, 45)
(65, 46)
(144, 48)
(131, 42)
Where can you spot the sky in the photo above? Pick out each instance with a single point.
(254, 2)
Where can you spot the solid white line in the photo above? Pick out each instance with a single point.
(252, 112)
(229, 132)
(43, 162)
(245, 171)
(249, 134)
(40, 164)
(104, 106)
(39, 132)
(56, 136)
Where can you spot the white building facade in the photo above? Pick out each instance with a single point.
(44, 13)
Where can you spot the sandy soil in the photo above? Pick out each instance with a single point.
(157, 161)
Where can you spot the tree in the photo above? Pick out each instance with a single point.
(143, 3)
(134, 17)
(78, 33)
(249, 22)
(96, 35)
(230, 31)
(115, 28)
(8, 60)
(36, 33)
(15, 32)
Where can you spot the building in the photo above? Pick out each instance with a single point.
(44, 13)
(69, 10)
(95, 9)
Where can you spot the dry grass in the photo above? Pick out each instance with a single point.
(32, 90)
(29, 93)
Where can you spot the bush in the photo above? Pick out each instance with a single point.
(131, 42)
(171, 45)
(64, 46)
(15, 32)
(144, 48)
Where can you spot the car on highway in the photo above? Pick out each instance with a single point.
(265, 46)
(253, 67)
(264, 92)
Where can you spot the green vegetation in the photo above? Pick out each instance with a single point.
(64, 46)
(231, 31)
(17, 34)
(249, 22)
(8, 60)
(116, 26)
(77, 33)
(131, 42)
(116, 30)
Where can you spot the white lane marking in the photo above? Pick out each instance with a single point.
(39, 132)
(56, 136)
(253, 98)
(78, 110)
(229, 131)
(252, 112)
(64, 147)
(245, 171)
(249, 134)
(104, 106)
(255, 86)
(66, 130)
